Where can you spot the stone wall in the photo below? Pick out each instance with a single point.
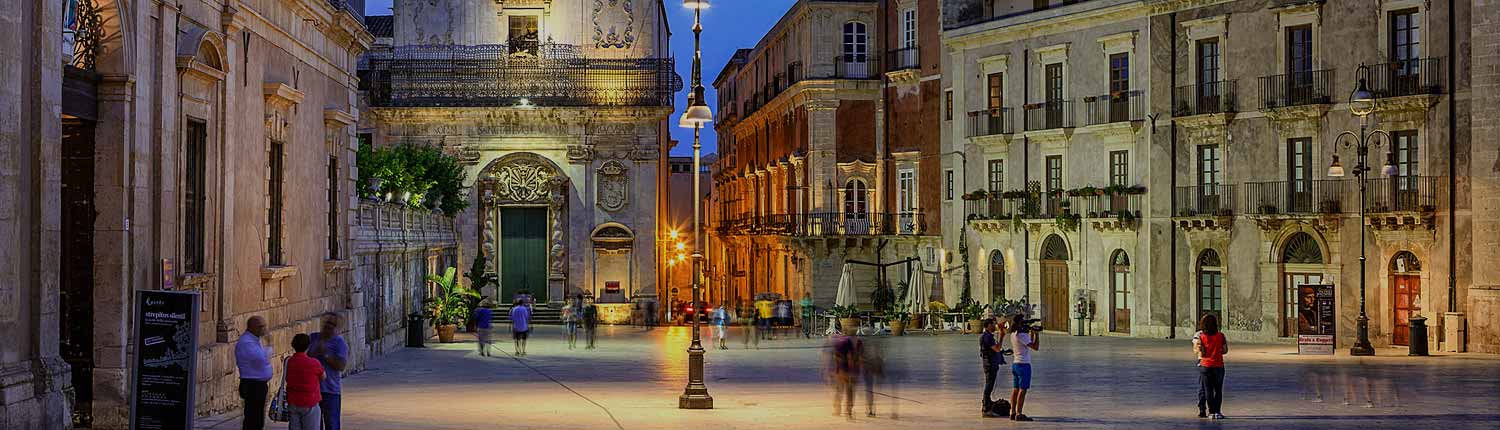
(1483, 302)
(395, 249)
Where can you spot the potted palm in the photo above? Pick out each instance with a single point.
(478, 280)
(973, 311)
(848, 319)
(449, 307)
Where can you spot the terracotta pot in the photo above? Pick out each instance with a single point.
(974, 326)
(849, 325)
(898, 327)
(445, 332)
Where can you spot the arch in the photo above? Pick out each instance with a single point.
(612, 231)
(1209, 258)
(1210, 284)
(520, 177)
(1405, 262)
(997, 275)
(1301, 248)
(1054, 248)
(1119, 258)
(856, 197)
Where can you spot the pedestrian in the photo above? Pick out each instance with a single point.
(483, 327)
(721, 323)
(570, 320)
(254, 364)
(872, 368)
(590, 320)
(651, 314)
(1210, 345)
(520, 325)
(304, 376)
(843, 366)
(1023, 339)
(763, 317)
(331, 350)
(752, 324)
(991, 358)
(807, 315)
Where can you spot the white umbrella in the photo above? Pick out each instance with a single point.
(846, 295)
(917, 292)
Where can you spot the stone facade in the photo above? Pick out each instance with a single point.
(1235, 187)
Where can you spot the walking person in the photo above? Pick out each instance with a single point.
(752, 324)
(843, 367)
(991, 358)
(720, 322)
(763, 317)
(254, 364)
(1210, 346)
(1023, 339)
(520, 325)
(651, 314)
(483, 327)
(590, 321)
(304, 376)
(570, 321)
(330, 350)
(808, 310)
(872, 368)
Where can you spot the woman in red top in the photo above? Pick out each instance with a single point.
(1211, 346)
(303, 375)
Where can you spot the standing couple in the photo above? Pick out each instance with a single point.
(1023, 339)
(312, 376)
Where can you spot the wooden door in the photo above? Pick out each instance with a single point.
(1055, 295)
(523, 252)
(1408, 291)
(1120, 300)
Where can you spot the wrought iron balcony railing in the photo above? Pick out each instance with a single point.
(494, 75)
(1205, 98)
(1049, 115)
(794, 73)
(1209, 200)
(1407, 77)
(990, 122)
(855, 66)
(1401, 194)
(827, 224)
(1120, 106)
(904, 58)
(1110, 205)
(1297, 88)
(1297, 197)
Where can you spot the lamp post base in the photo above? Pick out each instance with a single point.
(700, 400)
(695, 396)
(1362, 344)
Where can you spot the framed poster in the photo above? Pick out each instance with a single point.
(164, 371)
(167, 279)
(1315, 319)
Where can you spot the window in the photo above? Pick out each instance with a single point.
(194, 197)
(1299, 62)
(1299, 173)
(948, 105)
(856, 42)
(1405, 151)
(333, 208)
(855, 198)
(909, 28)
(1208, 76)
(1054, 173)
(1210, 285)
(997, 176)
(1209, 176)
(1119, 167)
(1119, 84)
(993, 91)
(1054, 82)
(273, 211)
(906, 190)
(949, 177)
(1405, 37)
(524, 36)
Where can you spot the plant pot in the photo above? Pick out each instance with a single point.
(974, 326)
(445, 332)
(898, 327)
(849, 325)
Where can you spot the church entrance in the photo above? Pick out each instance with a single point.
(523, 252)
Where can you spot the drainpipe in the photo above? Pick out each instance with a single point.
(1452, 168)
(1172, 325)
(1025, 170)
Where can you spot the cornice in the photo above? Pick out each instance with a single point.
(281, 96)
(1029, 26)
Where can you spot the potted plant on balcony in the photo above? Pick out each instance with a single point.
(1135, 189)
(848, 317)
(449, 307)
(897, 319)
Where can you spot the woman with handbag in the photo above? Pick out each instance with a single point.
(302, 378)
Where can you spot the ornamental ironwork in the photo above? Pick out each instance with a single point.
(488, 76)
(83, 31)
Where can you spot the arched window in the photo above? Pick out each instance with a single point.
(856, 42)
(1054, 248)
(1210, 284)
(1120, 286)
(1301, 248)
(997, 275)
(856, 198)
(1405, 262)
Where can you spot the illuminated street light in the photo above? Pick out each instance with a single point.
(695, 395)
(1361, 104)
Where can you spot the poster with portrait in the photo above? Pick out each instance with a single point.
(1315, 319)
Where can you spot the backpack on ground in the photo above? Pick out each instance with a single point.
(1000, 407)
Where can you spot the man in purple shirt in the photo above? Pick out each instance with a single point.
(329, 348)
(520, 325)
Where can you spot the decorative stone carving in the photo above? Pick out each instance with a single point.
(613, 186)
(580, 154)
(559, 250)
(279, 100)
(463, 154)
(524, 178)
(611, 14)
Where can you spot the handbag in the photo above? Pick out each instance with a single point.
(280, 411)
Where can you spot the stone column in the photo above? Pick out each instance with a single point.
(1483, 298)
(822, 123)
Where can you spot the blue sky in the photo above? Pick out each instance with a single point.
(727, 25)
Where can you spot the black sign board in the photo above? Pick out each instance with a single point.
(1315, 319)
(166, 357)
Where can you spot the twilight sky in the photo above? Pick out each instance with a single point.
(727, 25)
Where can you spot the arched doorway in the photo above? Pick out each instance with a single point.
(522, 196)
(1406, 291)
(1054, 258)
(1119, 286)
(1210, 285)
(1298, 254)
(997, 275)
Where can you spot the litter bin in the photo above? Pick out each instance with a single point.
(1418, 336)
(414, 336)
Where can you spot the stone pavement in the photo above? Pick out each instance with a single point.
(632, 381)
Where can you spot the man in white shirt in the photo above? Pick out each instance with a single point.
(254, 363)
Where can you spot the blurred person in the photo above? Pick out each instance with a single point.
(721, 324)
(483, 327)
(330, 349)
(808, 310)
(763, 317)
(520, 325)
(1023, 339)
(303, 376)
(843, 367)
(590, 321)
(1211, 347)
(254, 363)
(570, 321)
(872, 368)
(991, 359)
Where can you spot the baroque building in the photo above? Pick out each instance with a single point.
(558, 108)
(1156, 160)
(828, 153)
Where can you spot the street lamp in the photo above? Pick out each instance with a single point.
(1361, 104)
(695, 395)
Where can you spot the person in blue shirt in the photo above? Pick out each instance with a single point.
(520, 325)
(331, 350)
(483, 327)
(721, 323)
(989, 354)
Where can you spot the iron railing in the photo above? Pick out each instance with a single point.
(1207, 200)
(826, 224)
(794, 73)
(1049, 115)
(1297, 88)
(1407, 77)
(992, 207)
(498, 75)
(1205, 98)
(1297, 197)
(1401, 194)
(1120, 106)
(904, 58)
(855, 67)
(1111, 205)
(82, 34)
(990, 122)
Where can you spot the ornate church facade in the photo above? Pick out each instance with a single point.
(559, 109)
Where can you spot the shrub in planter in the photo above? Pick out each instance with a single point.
(449, 307)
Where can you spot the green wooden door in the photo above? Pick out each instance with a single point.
(523, 252)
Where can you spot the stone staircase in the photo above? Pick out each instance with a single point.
(540, 314)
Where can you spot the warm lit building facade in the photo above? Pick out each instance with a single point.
(1177, 155)
(811, 171)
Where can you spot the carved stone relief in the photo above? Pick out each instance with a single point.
(614, 186)
(614, 23)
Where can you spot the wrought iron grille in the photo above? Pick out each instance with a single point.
(83, 31)
(490, 75)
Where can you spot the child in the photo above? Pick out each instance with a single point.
(303, 377)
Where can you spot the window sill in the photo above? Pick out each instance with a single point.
(272, 273)
(194, 281)
(330, 266)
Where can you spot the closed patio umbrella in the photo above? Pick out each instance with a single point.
(917, 292)
(846, 295)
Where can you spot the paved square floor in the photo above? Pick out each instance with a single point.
(634, 377)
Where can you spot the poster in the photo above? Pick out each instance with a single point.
(166, 275)
(1315, 319)
(166, 345)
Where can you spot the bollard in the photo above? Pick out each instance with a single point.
(1418, 336)
(414, 337)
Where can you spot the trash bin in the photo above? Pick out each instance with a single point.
(414, 337)
(1418, 336)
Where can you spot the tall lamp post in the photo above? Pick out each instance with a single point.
(1361, 104)
(695, 396)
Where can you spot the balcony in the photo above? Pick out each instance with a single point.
(1296, 197)
(1401, 194)
(794, 73)
(1120, 106)
(904, 59)
(1407, 78)
(1205, 98)
(827, 224)
(1209, 200)
(1112, 205)
(990, 122)
(1049, 115)
(499, 76)
(991, 207)
(854, 67)
(1296, 89)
